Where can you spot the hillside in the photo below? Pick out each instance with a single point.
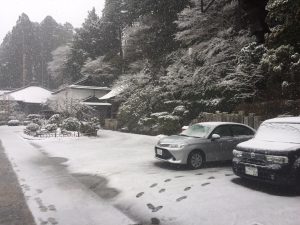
(177, 58)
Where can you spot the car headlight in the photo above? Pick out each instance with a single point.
(179, 146)
(277, 159)
(237, 153)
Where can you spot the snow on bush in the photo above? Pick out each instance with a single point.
(13, 123)
(158, 114)
(55, 119)
(51, 127)
(33, 127)
(71, 124)
(168, 124)
(179, 110)
(33, 116)
(88, 128)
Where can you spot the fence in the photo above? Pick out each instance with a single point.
(48, 135)
(251, 119)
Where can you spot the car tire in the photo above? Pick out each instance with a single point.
(195, 160)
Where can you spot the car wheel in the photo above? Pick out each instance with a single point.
(195, 160)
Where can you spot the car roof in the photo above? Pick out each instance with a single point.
(221, 123)
(294, 119)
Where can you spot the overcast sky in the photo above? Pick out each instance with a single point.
(73, 11)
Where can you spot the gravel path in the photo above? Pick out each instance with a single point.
(13, 207)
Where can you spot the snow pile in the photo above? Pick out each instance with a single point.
(32, 94)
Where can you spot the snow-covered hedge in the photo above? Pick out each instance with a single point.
(13, 123)
(71, 124)
(32, 127)
(51, 127)
(169, 124)
(55, 119)
(33, 116)
(88, 128)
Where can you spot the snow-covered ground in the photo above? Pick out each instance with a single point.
(121, 169)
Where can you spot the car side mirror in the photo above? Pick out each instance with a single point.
(215, 137)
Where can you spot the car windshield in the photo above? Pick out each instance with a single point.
(279, 132)
(197, 130)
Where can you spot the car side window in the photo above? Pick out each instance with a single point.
(223, 131)
(238, 130)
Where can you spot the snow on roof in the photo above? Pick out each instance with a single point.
(89, 87)
(114, 92)
(3, 92)
(31, 94)
(73, 86)
(96, 103)
(295, 119)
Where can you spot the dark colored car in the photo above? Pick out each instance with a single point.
(203, 142)
(273, 155)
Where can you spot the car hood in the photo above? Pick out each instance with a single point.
(268, 146)
(178, 139)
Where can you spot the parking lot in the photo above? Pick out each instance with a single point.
(120, 168)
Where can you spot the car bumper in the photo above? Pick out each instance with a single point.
(273, 173)
(176, 156)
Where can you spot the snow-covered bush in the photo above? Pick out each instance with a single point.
(32, 127)
(89, 129)
(71, 124)
(26, 122)
(33, 116)
(168, 124)
(179, 110)
(55, 119)
(51, 127)
(13, 123)
(158, 114)
(37, 121)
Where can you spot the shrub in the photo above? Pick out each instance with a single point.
(168, 124)
(55, 119)
(37, 121)
(89, 129)
(33, 116)
(26, 122)
(33, 127)
(51, 127)
(179, 110)
(71, 124)
(13, 123)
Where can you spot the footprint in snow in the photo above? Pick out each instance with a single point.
(204, 184)
(157, 208)
(187, 189)
(167, 180)
(150, 206)
(198, 174)
(211, 178)
(52, 207)
(181, 198)
(179, 176)
(139, 194)
(153, 185)
(155, 221)
(162, 190)
(39, 191)
(52, 221)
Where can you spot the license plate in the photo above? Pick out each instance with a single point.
(249, 170)
(159, 151)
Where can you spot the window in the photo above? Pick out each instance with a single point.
(238, 130)
(223, 131)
